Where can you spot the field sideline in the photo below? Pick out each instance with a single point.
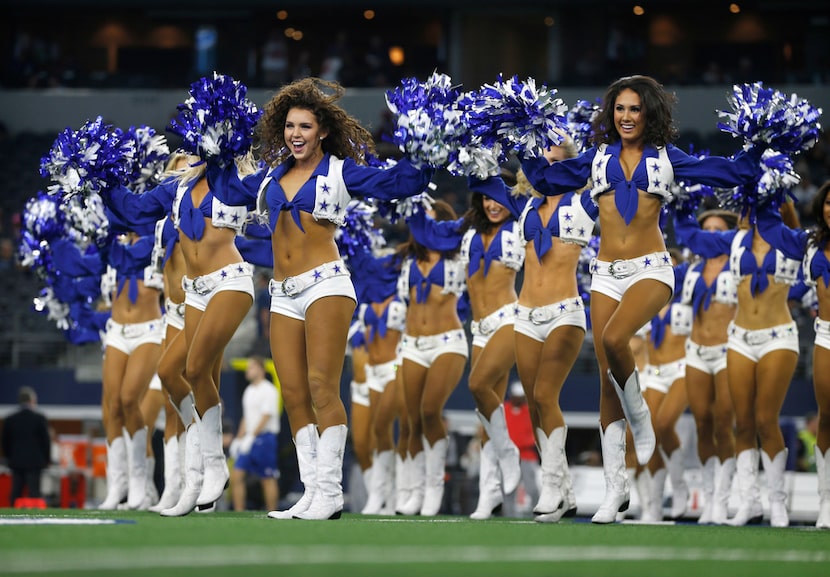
(87, 542)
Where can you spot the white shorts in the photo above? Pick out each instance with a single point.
(127, 338)
(378, 376)
(539, 322)
(822, 333)
(233, 277)
(488, 326)
(292, 296)
(661, 377)
(613, 278)
(360, 394)
(174, 315)
(425, 349)
(755, 344)
(710, 359)
(155, 383)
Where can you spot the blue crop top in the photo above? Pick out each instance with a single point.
(654, 174)
(325, 195)
(738, 245)
(174, 196)
(572, 221)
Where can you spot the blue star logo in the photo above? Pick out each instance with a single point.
(665, 259)
(569, 229)
(235, 217)
(317, 275)
(656, 183)
(773, 333)
(581, 231)
(646, 262)
(563, 307)
(223, 274)
(324, 205)
(221, 214)
(337, 269)
(325, 188)
(655, 166)
(337, 207)
(239, 269)
(568, 216)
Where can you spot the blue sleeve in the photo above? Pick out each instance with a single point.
(399, 181)
(228, 188)
(717, 171)
(495, 189)
(435, 235)
(707, 244)
(144, 208)
(69, 260)
(560, 177)
(588, 204)
(256, 251)
(793, 243)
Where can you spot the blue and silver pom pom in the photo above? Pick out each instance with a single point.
(150, 159)
(217, 122)
(359, 233)
(763, 115)
(580, 120)
(89, 160)
(521, 117)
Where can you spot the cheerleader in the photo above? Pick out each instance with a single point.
(632, 166)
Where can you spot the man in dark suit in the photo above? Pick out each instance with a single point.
(26, 444)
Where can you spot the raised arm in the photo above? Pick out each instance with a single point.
(399, 181)
(717, 171)
(793, 243)
(707, 244)
(494, 188)
(561, 176)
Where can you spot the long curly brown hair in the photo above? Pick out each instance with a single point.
(657, 105)
(346, 137)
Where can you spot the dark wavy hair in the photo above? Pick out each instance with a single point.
(657, 105)
(443, 211)
(346, 137)
(820, 233)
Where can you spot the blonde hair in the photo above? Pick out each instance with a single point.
(196, 168)
(523, 186)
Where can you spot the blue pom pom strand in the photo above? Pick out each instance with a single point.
(150, 159)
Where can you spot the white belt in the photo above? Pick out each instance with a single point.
(762, 336)
(429, 342)
(205, 284)
(622, 268)
(293, 285)
(547, 313)
(134, 330)
(491, 322)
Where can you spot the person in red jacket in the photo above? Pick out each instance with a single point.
(520, 428)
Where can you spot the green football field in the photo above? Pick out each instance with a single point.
(76, 542)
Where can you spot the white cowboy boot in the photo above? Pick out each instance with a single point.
(708, 475)
(554, 464)
(117, 481)
(305, 441)
(658, 489)
(327, 502)
(137, 466)
(750, 511)
(151, 496)
(436, 470)
(638, 416)
(823, 471)
(723, 489)
(417, 479)
(403, 480)
(172, 476)
(383, 473)
(774, 472)
(507, 452)
(193, 473)
(642, 484)
(216, 474)
(489, 484)
(680, 490)
(617, 493)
